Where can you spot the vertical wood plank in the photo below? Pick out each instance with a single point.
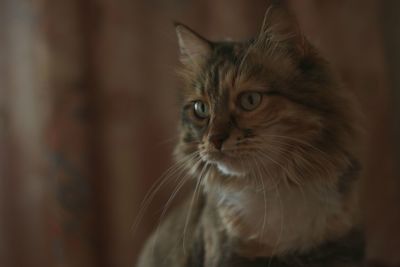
(74, 135)
(23, 115)
(384, 194)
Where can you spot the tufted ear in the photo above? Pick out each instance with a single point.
(194, 49)
(280, 29)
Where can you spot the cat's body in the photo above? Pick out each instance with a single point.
(270, 136)
(208, 245)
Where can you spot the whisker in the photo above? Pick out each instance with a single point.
(176, 168)
(280, 152)
(281, 228)
(322, 165)
(194, 198)
(287, 176)
(303, 142)
(265, 201)
(183, 180)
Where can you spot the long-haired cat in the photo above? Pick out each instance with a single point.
(269, 134)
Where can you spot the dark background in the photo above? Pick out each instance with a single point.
(88, 116)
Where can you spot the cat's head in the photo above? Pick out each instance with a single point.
(268, 105)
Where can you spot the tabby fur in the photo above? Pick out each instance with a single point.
(278, 185)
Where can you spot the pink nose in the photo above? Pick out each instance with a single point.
(218, 139)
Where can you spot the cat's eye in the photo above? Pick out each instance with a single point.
(201, 110)
(250, 101)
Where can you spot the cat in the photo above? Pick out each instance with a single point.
(270, 136)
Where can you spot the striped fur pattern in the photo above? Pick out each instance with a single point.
(268, 133)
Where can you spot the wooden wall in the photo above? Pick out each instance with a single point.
(88, 116)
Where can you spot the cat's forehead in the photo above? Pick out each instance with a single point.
(226, 72)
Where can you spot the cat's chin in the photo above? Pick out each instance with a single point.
(228, 170)
(226, 165)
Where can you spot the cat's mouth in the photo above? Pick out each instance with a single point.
(225, 163)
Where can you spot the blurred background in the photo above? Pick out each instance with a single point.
(88, 116)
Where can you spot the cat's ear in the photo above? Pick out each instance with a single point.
(194, 49)
(280, 28)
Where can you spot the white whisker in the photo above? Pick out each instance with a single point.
(176, 168)
(194, 198)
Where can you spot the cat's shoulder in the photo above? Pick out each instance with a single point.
(177, 238)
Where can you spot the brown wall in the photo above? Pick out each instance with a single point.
(88, 116)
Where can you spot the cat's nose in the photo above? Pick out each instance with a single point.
(218, 139)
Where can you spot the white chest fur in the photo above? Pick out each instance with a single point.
(288, 219)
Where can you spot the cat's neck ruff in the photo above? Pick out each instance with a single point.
(283, 218)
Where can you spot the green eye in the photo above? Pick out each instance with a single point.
(250, 101)
(201, 110)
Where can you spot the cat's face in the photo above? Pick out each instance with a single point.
(256, 107)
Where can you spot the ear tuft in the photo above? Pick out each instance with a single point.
(194, 49)
(280, 26)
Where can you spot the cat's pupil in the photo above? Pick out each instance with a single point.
(201, 109)
(250, 99)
